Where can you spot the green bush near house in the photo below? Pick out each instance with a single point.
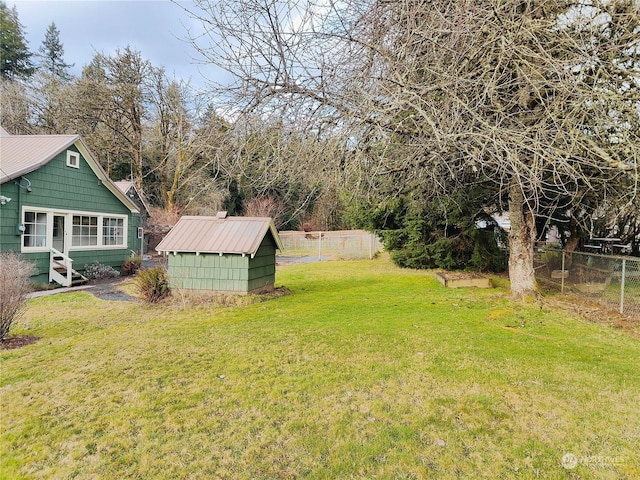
(153, 284)
(365, 370)
(98, 271)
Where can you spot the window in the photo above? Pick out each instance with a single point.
(66, 230)
(35, 229)
(84, 231)
(73, 159)
(112, 231)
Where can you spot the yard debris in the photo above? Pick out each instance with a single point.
(594, 312)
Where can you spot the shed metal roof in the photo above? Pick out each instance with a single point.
(220, 234)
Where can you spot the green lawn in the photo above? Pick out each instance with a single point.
(364, 371)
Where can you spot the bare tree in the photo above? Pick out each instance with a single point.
(184, 148)
(15, 107)
(293, 168)
(536, 99)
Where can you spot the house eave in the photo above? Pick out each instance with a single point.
(102, 176)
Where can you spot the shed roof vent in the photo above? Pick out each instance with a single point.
(221, 215)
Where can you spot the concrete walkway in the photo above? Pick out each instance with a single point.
(106, 289)
(55, 291)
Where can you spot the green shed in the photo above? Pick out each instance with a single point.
(60, 210)
(222, 254)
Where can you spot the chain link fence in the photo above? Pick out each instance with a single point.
(611, 281)
(344, 244)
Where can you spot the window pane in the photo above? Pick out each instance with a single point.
(112, 231)
(84, 231)
(35, 229)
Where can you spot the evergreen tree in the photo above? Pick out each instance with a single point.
(15, 58)
(52, 54)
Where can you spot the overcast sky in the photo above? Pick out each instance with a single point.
(156, 28)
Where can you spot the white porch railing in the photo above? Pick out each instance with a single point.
(60, 261)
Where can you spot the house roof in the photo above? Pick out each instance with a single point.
(125, 186)
(23, 154)
(219, 234)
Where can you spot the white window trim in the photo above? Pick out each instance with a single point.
(69, 230)
(49, 231)
(71, 154)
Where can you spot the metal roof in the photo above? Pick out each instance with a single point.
(125, 186)
(219, 234)
(23, 154)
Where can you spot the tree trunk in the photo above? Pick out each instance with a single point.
(521, 241)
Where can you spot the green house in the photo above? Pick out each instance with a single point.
(222, 254)
(58, 208)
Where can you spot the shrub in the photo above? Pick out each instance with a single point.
(553, 258)
(14, 289)
(153, 284)
(97, 271)
(131, 265)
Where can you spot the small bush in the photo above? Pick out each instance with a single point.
(97, 271)
(153, 284)
(131, 265)
(14, 289)
(553, 258)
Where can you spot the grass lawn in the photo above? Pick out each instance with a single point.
(364, 371)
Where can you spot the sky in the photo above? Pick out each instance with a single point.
(155, 28)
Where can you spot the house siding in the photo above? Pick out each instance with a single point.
(58, 186)
(9, 213)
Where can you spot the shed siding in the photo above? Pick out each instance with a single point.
(262, 267)
(224, 273)
(57, 186)
(208, 271)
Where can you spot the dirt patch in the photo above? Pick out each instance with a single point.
(275, 293)
(17, 341)
(112, 295)
(107, 289)
(191, 298)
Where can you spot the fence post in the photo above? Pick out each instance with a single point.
(319, 246)
(562, 274)
(624, 268)
(371, 246)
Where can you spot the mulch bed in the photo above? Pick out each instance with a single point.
(17, 341)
